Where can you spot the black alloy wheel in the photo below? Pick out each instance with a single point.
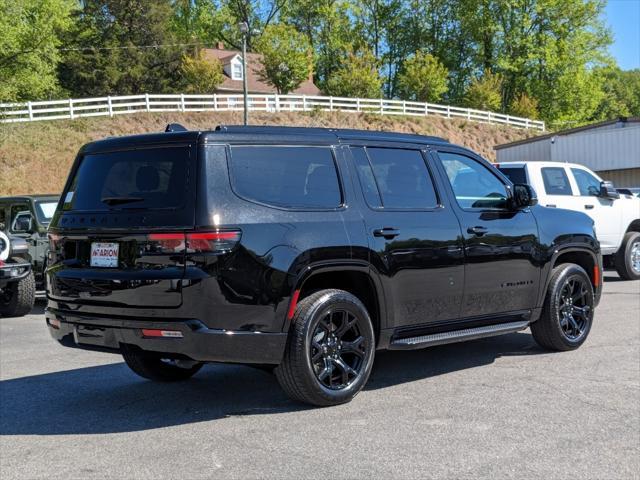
(574, 310)
(567, 314)
(330, 349)
(337, 349)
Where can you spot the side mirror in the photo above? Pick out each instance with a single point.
(524, 196)
(607, 190)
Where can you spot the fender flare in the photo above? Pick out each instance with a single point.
(318, 268)
(4, 253)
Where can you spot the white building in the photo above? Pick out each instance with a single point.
(611, 149)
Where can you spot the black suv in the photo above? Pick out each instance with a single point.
(306, 250)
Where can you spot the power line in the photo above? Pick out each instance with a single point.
(78, 49)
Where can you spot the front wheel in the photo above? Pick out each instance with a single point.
(627, 259)
(153, 366)
(330, 349)
(567, 314)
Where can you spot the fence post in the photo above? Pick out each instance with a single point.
(304, 103)
(489, 117)
(381, 107)
(508, 120)
(526, 124)
(331, 104)
(215, 102)
(277, 100)
(71, 108)
(30, 108)
(109, 106)
(404, 107)
(358, 104)
(426, 109)
(468, 114)
(448, 111)
(182, 106)
(146, 101)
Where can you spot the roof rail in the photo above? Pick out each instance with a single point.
(175, 127)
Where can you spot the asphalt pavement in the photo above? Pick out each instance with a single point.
(492, 408)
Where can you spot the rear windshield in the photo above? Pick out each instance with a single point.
(154, 178)
(515, 174)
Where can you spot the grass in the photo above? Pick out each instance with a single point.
(36, 157)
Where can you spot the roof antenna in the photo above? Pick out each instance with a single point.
(175, 127)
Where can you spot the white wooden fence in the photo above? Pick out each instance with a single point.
(117, 105)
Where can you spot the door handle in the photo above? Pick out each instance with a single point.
(386, 232)
(588, 207)
(479, 231)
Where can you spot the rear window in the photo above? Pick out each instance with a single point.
(287, 177)
(556, 181)
(155, 178)
(515, 174)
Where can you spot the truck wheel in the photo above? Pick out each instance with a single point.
(627, 258)
(152, 366)
(567, 314)
(329, 351)
(17, 298)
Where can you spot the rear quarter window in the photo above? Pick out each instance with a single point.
(286, 177)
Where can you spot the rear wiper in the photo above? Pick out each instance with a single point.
(121, 200)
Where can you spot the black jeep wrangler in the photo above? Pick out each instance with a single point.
(307, 250)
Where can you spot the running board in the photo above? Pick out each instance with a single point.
(423, 341)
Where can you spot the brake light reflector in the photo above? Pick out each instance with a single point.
(596, 275)
(168, 241)
(152, 332)
(293, 304)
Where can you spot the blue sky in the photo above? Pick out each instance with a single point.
(623, 17)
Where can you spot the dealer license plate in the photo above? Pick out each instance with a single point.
(104, 254)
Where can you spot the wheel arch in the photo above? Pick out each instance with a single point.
(359, 279)
(583, 257)
(634, 226)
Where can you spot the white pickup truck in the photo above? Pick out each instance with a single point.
(574, 187)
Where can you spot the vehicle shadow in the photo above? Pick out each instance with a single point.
(111, 399)
(608, 278)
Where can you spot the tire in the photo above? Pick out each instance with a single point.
(330, 349)
(627, 258)
(565, 325)
(152, 366)
(18, 297)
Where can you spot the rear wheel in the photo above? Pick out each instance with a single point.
(153, 366)
(330, 349)
(627, 259)
(567, 314)
(17, 298)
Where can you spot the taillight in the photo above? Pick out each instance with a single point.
(212, 241)
(197, 242)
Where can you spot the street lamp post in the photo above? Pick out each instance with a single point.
(244, 30)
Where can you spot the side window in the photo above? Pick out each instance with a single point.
(3, 218)
(402, 178)
(556, 181)
(20, 218)
(587, 183)
(473, 184)
(289, 177)
(367, 180)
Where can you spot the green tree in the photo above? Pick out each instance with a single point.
(524, 106)
(357, 76)
(201, 75)
(621, 93)
(29, 45)
(121, 47)
(286, 55)
(484, 92)
(327, 26)
(424, 78)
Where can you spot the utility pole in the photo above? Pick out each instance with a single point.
(244, 30)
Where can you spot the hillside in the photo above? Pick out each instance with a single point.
(36, 157)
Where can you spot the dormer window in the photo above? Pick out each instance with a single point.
(236, 70)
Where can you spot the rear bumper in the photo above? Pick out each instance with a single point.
(197, 343)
